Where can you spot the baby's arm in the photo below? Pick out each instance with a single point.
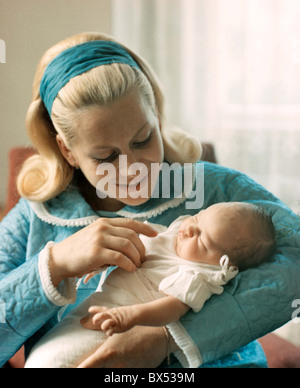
(117, 320)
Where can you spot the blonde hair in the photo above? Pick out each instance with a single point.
(47, 174)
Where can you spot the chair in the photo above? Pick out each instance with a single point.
(16, 158)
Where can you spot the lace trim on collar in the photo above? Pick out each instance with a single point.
(43, 214)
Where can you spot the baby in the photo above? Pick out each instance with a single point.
(182, 271)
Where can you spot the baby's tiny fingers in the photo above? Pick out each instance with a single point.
(99, 318)
(110, 332)
(109, 327)
(97, 309)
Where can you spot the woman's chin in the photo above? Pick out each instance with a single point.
(134, 201)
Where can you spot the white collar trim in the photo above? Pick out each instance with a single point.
(43, 214)
(173, 203)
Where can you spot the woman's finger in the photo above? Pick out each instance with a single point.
(127, 242)
(118, 259)
(123, 249)
(93, 361)
(137, 226)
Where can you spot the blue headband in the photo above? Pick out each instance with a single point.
(78, 60)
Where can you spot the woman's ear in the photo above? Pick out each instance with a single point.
(66, 152)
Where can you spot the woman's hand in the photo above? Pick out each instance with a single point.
(140, 347)
(106, 242)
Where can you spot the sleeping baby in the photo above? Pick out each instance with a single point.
(185, 265)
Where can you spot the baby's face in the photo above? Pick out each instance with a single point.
(207, 236)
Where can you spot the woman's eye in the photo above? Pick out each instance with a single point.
(110, 159)
(114, 156)
(143, 143)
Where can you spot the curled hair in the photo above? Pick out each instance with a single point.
(48, 173)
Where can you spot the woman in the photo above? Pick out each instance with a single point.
(94, 102)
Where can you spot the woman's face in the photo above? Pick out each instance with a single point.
(128, 128)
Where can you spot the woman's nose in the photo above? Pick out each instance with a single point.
(125, 166)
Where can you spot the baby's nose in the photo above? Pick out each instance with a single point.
(191, 231)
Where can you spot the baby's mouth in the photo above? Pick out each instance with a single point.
(180, 235)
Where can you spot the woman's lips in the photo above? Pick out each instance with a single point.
(135, 185)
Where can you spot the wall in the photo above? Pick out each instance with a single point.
(29, 28)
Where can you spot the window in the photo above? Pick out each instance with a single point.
(231, 72)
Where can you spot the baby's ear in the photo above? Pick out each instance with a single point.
(233, 266)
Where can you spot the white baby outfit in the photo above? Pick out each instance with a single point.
(163, 272)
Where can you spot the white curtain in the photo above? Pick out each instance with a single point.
(231, 73)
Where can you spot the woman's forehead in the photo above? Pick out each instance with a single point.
(126, 117)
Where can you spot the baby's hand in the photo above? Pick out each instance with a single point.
(110, 321)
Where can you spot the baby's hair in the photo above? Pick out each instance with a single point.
(261, 245)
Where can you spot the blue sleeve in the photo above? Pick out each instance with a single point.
(259, 300)
(24, 307)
